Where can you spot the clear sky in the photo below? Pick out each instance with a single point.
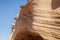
(8, 10)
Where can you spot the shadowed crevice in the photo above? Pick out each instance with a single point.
(27, 35)
(55, 4)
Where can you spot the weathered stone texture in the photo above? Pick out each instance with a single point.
(47, 19)
(41, 17)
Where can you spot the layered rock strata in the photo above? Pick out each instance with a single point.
(38, 17)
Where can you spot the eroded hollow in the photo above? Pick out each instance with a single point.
(25, 34)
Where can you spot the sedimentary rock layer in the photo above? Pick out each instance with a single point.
(41, 17)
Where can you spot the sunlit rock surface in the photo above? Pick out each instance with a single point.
(38, 20)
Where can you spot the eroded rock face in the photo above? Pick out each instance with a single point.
(38, 20)
(47, 18)
(26, 34)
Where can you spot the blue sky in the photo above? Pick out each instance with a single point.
(8, 10)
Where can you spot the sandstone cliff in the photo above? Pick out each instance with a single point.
(40, 19)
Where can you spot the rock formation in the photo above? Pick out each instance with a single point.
(37, 20)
